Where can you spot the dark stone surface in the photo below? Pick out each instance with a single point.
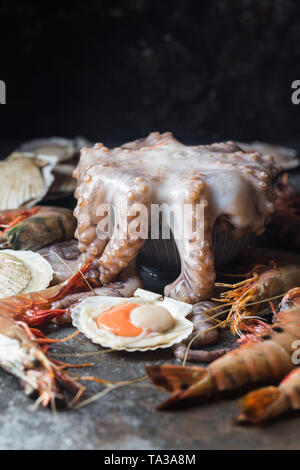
(126, 418)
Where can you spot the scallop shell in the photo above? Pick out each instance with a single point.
(24, 180)
(63, 149)
(14, 275)
(83, 318)
(40, 271)
(285, 156)
(67, 153)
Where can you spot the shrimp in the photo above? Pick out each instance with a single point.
(21, 356)
(268, 402)
(19, 352)
(34, 308)
(266, 358)
(246, 297)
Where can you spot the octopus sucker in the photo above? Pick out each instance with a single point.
(233, 188)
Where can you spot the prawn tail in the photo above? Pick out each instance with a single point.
(184, 382)
(263, 404)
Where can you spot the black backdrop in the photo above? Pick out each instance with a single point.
(115, 70)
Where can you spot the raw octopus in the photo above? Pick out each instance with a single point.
(204, 336)
(234, 188)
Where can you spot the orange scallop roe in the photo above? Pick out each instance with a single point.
(117, 320)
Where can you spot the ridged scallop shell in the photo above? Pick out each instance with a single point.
(24, 180)
(14, 275)
(38, 271)
(66, 151)
(82, 316)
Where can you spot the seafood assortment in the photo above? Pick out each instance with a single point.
(234, 187)
(35, 308)
(266, 356)
(143, 322)
(23, 271)
(36, 227)
(93, 281)
(125, 285)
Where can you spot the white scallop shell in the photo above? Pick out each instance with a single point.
(66, 153)
(84, 315)
(41, 272)
(24, 180)
(14, 275)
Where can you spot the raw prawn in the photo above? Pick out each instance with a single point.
(35, 308)
(21, 356)
(266, 358)
(268, 402)
(19, 352)
(247, 297)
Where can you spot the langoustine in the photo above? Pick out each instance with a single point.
(246, 298)
(233, 187)
(269, 402)
(267, 356)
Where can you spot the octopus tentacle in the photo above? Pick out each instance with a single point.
(198, 355)
(202, 335)
(89, 243)
(124, 286)
(132, 214)
(196, 281)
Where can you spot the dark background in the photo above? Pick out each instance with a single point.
(116, 70)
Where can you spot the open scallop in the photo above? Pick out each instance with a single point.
(140, 323)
